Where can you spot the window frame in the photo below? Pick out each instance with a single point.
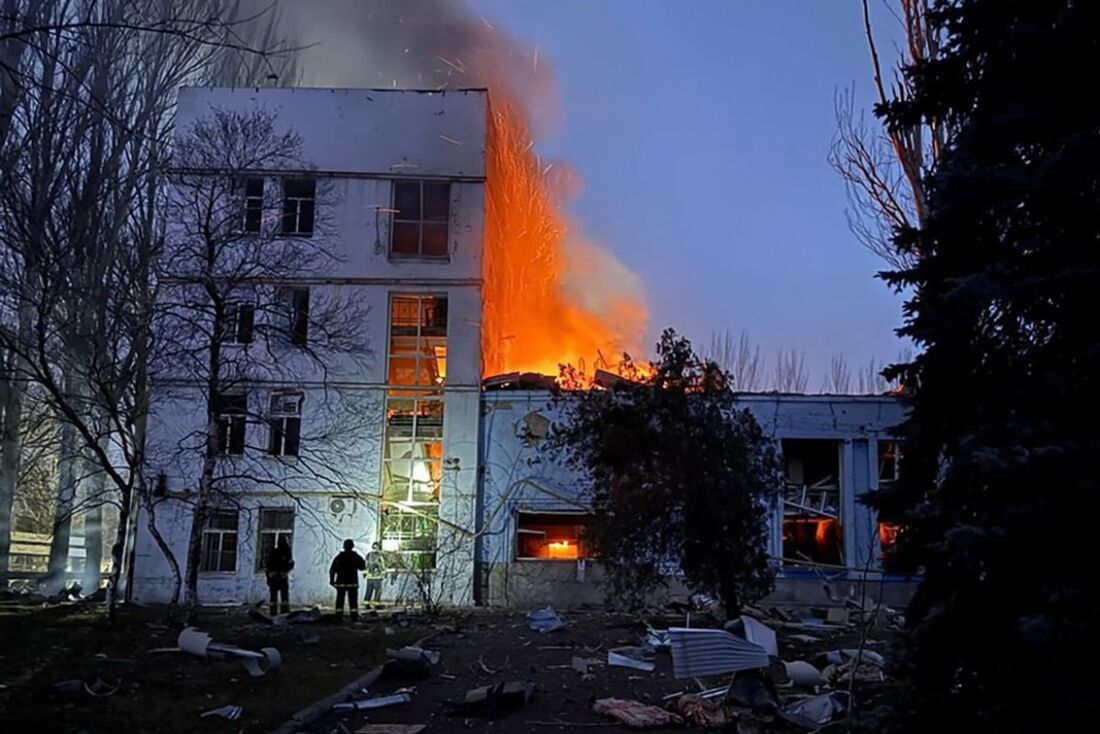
(420, 221)
(231, 421)
(300, 209)
(221, 533)
(295, 300)
(237, 330)
(582, 552)
(421, 338)
(261, 532)
(284, 419)
(253, 204)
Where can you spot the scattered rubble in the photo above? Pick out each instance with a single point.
(197, 642)
(225, 712)
(376, 702)
(545, 620)
(635, 714)
(492, 701)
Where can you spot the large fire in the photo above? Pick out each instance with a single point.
(532, 321)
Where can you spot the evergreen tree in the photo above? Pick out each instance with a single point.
(999, 474)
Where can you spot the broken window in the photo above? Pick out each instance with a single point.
(230, 418)
(889, 457)
(275, 523)
(811, 502)
(295, 304)
(299, 206)
(418, 340)
(240, 317)
(253, 189)
(412, 476)
(284, 424)
(219, 542)
(421, 210)
(551, 536)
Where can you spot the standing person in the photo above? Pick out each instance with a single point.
(280, 563)
(343, 574)
(376, 568)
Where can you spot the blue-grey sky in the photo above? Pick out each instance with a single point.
(701, 129)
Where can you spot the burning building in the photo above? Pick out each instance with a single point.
(444, 232)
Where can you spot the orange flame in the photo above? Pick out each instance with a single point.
(530, 323)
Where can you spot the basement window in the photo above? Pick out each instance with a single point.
(812, 530)
(551, 536)
(421, 211)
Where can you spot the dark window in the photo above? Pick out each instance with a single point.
(239, 320)
(421, 214)
(888, 457)
(285, 424)
(230, 415)
(551, 536)
(296, 301)
(253, 204)
(219, 542)
(274, 524)
(299, 205)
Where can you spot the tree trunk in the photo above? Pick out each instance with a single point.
(93, 534)
(63, 514)
(173, 564)
(11, 448)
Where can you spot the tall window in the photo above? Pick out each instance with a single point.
(275, 523)
(889, 457)
(412, 458)
(284, 424)
(299, 206)
(219, 542)
(230, 415)
(253, 204)
(240, 318)
(421, 213)
(418, 341)
(551, 536)
(295, 302)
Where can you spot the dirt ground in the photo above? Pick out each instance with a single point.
(164, 692)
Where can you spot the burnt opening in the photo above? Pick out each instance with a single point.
(812, 530)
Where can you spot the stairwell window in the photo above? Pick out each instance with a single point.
(421, 212)
(299, 206)
(219, 542)
(284, 424)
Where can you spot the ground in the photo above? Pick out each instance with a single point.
(166, 691)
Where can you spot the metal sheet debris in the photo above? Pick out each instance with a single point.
(225, 712)
(376, 702)
(811, 713)
(760, 633)
(700, 652)
(631, 657)
(198, 643)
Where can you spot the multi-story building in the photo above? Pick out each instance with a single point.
(444, 474)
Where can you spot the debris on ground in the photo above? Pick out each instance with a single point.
(635, 714)
(414, 653)
(639, 658)
(545, 620)
(705, 713)
(699, 652)
(492, 701)
(198, 643)
(804, 675)
(754, 690)
(391, 729)
(375, 702)
(97, 688)
(225, 712)
(812, 713)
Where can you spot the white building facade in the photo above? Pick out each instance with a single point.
(445, 475)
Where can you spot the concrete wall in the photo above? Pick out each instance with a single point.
(357, 142)
(521, 475)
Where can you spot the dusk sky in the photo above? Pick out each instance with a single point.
(701, 130)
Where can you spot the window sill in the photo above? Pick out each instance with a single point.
(419, 258)
(217, 574)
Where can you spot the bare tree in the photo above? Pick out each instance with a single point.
(740, 358)
(839, 379)
(248, 334)
(790, 371)
(883, 167)
(87, 96)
